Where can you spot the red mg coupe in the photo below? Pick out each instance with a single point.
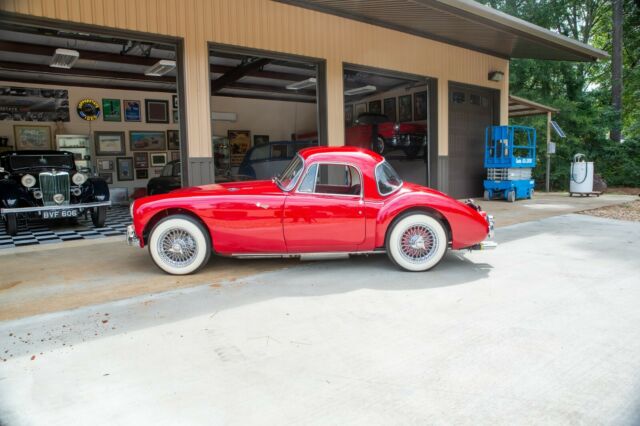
(326, 201)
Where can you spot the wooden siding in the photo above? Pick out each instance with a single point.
(263, 24)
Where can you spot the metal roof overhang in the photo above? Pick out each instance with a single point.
(463, 23)
(520, 107)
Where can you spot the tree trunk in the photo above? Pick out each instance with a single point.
(616, 72)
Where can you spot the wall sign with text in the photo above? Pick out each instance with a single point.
(88, 109)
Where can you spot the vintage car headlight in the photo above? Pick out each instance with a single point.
(28, 181)
(396, 127)
(79, 178)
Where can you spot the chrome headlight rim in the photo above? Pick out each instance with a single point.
(28, 181)
(79, 178)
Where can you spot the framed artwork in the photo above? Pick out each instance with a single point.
(111, 110)
(260, 140)
(131, 110)
(33, 104)
(158, 159)
(390, 109)
(375, 107)
(147, 141)
(404, 108)
(105, 165)
(175, 155)
(109, 143)
(125, 168)
(108, 177)
(176, 116)
(239, 142)
(173, 139)
(360, 109)
(156, 111)
(420, 106)
(141, 160)
(348, 115)
(31, 137)
(142, 174)
(175, 101)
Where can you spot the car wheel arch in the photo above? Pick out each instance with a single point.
(429, 211)
(158, 216)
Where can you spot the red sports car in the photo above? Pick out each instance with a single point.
(381, 135)
(327, 200)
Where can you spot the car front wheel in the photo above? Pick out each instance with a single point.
(417, 242)
(179, 245)
(99, 216)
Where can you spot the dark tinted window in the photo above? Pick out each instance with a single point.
(458, 97)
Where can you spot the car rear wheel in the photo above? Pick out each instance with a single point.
(417, 242)
(99, 216)
(11, 224)
(179, 245)
(377, 146)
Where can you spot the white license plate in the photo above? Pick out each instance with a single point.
(59, 214)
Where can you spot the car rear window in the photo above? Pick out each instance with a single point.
(387, 179)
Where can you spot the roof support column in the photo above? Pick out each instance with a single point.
(548, 172)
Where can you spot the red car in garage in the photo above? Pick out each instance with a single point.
(381, 135)
(327, 200)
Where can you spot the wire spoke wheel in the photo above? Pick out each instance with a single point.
(418, 243)
(177, 247)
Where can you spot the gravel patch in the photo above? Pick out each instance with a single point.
(627, 211)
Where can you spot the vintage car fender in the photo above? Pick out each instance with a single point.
(466, 225)
(10, 193)
(100, 189)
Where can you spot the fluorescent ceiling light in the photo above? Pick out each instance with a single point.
(360, 90)
(302, 84)
(160, 68)
(64, 58)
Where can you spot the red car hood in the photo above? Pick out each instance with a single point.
(254, 187)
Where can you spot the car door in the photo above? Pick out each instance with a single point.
(326, 212)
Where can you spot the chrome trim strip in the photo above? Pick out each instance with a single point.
(320, 254)
(48, 208)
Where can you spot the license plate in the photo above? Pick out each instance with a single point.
(59, 214)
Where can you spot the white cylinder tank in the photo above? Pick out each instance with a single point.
(581, 175)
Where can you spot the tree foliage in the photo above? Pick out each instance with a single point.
(582, 91)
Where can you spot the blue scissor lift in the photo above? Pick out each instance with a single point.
(509, 157)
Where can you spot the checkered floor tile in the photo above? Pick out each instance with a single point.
(47, 232)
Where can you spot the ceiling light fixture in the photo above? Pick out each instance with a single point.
(360, 90)
(160, 68)
(64, 58)
(302, 84)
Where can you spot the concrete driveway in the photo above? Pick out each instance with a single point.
(543, 330)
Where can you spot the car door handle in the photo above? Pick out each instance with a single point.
(262, 206)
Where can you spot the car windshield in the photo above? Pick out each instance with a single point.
(49, 161)
(387, 178)
(287, 179)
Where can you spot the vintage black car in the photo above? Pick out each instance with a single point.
(47, 185)
(168, 180)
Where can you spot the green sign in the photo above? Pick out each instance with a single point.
(111, 110)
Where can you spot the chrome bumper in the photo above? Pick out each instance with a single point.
(491, 223)
(49, 208)
(131, 237)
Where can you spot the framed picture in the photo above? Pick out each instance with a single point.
(260, 140)
(420, 106)
(131, 110)
(375, 107)
(142, 174)
(390, 109)
(111, 110)
(175, 155)
(31, 137)
(34, 104)
(156, 111)
(147, 141)
(108, 177)
(125, 168)
(141, 160)
(348, 115)
(158, 159)
(109, 143)
(173, 139)
(176, 116)
(239, 142)
(360, 109)
(105, 165)
(404, 108)
(174, 100)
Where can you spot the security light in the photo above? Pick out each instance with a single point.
(302, 84)
(64, 58)
(160, 68)
(360, 90)
(496, 75)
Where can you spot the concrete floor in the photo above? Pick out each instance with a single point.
(543, 330)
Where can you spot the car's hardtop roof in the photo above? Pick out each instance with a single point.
(36, 152)
(341, 153)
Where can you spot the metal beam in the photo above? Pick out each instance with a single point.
(237, 73)
(92, 85)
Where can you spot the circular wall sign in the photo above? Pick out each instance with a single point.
(88, 109)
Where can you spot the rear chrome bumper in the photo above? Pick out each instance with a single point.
(131, 237)
(80, 206)
(491, 223)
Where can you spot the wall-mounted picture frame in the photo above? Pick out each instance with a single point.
(175, 155)
(239, 142)
(28, 137)
(142, 174)
(375, 107)
(176, 116)
(390, 109)
(124, 167)
(108, 177)
(132, 110)
(111, 110)
(260, 140)
(174, 100)
(109, 143)
(173, 140)
(158, 159)
(359, 109)
(420, 106)
(405, 108)
(156, 111)
(105, 165)
(141, 160)
(142, 140)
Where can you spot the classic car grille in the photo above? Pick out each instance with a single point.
(52, 183)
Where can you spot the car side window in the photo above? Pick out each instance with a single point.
(308, 183)
(337, 179)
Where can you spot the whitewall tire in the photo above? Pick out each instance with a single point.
(417, 242)
(179, 245)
